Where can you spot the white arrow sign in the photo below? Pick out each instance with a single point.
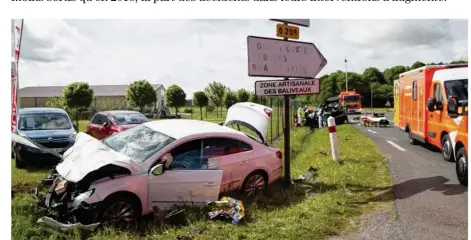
(271, 57)
(287, 87)
(300, 22)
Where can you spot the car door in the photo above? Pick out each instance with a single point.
(105, 131)
(95, 125)
(435, 117)
(232, 156)
(187, 180)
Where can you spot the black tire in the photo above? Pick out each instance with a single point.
(119, 201)
(462, 166)
(412, 140)
(18, 162)
(447, 149)
(252, 179)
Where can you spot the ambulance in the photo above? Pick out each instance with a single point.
(431, 105)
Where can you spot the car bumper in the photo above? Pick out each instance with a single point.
(32, 154)
(51, 225)
(35, 156)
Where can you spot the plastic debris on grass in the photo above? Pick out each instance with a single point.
(227, 208)
(307, 180)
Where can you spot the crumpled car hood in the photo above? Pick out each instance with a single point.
(89, 154)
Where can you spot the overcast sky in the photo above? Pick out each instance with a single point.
(192, 53)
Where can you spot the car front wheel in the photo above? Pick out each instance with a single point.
(254, 183)
(462, 166)
(120, 212)
(447, 149)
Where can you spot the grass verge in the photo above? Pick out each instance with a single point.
(311, 211)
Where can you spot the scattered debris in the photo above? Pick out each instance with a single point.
(307, 180)
(227, 208)
(323, 153)
(307, 176)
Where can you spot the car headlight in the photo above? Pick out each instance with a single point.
(72, 137)
(80, 198)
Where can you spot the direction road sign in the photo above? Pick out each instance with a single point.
(287, 31)
(300, 22)
(287, 87)
(271, 57)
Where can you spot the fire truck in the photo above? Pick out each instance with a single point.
(432, 107)
(351, 100)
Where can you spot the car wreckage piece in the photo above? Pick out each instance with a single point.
(374, 120)
(63, 206)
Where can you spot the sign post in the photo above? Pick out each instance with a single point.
(271, 57)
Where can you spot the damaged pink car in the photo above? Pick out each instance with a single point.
(157, 165)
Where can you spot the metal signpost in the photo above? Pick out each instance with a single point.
(271, 57)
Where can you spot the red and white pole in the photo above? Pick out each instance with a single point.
(334, 143)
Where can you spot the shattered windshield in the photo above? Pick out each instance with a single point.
(457, 88)
(138, 143)
(44, 121)
(129, 118)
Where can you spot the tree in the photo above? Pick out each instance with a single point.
(77, 96)
(215, 92)
(391, 74)
(201, 100)
(372, 74)
(254, 98)
(416, 65)
(175, 97)
(243, 95)
(230, 98)
(140, 94)
(459, 62)
(56, 102)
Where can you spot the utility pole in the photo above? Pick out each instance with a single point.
(346, 76)
(371, 89)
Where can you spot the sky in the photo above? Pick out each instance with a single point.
(193, 53)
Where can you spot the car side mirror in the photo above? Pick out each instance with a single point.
(75, 126)
(105, 124)
(157, 169)
(452, 107)
(431, 104)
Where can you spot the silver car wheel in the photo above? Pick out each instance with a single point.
(255, 184)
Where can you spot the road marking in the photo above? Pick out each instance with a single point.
(396, 146)
(371, 131)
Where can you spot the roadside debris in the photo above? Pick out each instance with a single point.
(307, 180)
(307, 176)
(227, 208)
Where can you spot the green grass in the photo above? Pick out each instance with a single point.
(342, 192)
(391, 109)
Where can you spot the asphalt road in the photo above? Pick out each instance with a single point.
(428, 199)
